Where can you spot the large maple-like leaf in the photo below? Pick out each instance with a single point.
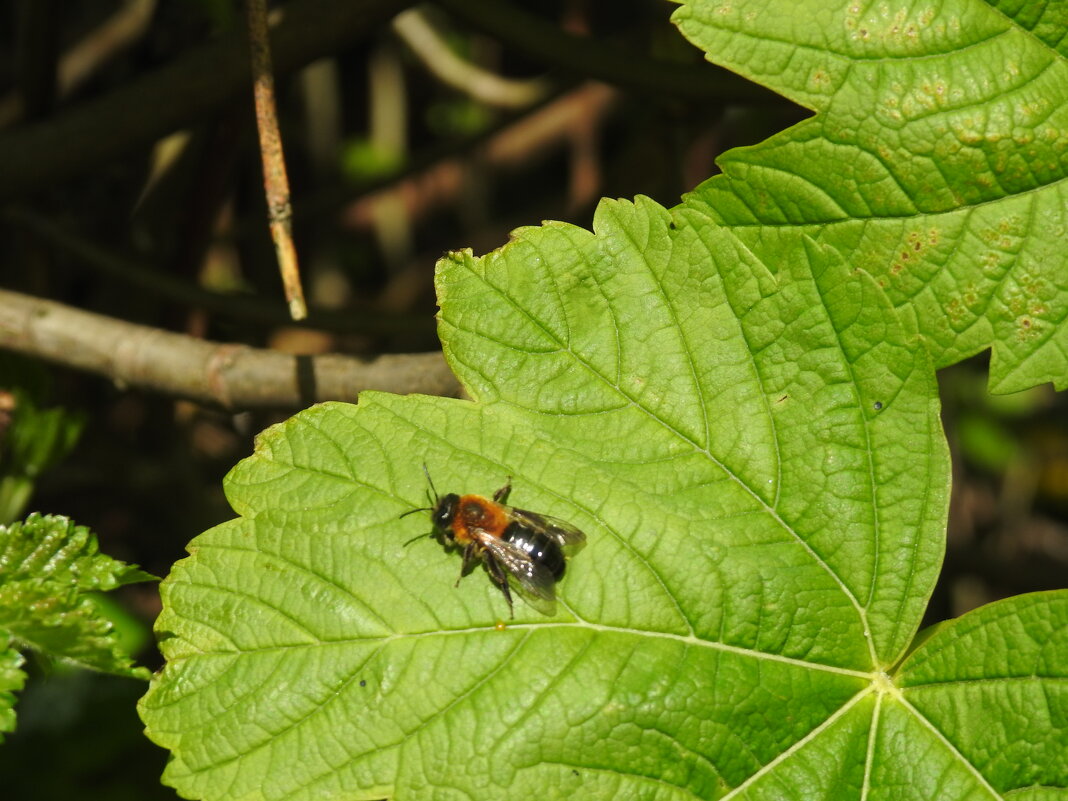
(735, 400)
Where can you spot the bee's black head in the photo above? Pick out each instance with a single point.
(444, 512)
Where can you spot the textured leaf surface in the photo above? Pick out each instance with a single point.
(936, 160)
(764, 500)
(1006, 714)
(739, 412)
(47, 567)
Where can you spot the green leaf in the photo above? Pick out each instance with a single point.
(47, 567)
(53, 548)
(32, 438)
(12, 679)
(764, 500)
(1021, 682)
(740, 413)
(936, 161)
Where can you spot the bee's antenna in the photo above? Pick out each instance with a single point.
(431, 482)
(434, 503)
(417, 536)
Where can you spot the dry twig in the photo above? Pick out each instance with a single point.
(275, 180)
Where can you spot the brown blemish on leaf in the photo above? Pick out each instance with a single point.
(1027, 330)
(1009, 225)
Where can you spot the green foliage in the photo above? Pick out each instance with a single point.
(33, 438)
(735, 400)
(1002, 715)
(12, 679)
(935, 163)
(49, 569)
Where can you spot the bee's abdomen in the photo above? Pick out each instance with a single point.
(543, 550)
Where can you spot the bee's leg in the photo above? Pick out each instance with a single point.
(501, 580)
(501, 495)
(470, 555)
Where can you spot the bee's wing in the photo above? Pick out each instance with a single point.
(569, 538)
(534, 582)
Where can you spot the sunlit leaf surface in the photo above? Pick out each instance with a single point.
(735, 400)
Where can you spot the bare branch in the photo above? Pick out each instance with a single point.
(227, 375)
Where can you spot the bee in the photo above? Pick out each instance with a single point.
(523, 550)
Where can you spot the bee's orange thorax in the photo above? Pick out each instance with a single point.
(477, 513)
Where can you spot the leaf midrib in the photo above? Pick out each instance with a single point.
(689, 640)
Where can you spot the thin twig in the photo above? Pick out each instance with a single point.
(499, 146)
(275, 180)
(431, 48)
(226, 375)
